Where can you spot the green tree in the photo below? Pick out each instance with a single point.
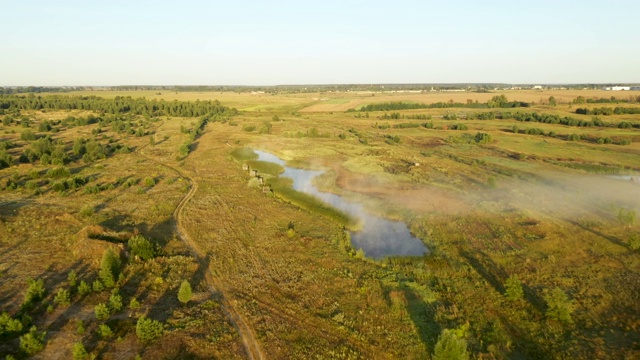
(110, 267)
(102, 311)
(559, 307)
(35, 292)
(72, 278)
(97, 286)
(115, 301)
(105, 331)
(148, 330)
(33, 341)
(62, 298)
(513, 288)
(450, 347)
(79, 352)
(552, 101)
(184, 294)
(9, 325)
(141, 247)
(84, 288)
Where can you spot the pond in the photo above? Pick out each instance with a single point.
(378, 237)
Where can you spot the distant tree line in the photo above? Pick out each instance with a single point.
(500, 101)
(117, 105)
(618, 110)
(35, 89)
(611, 100)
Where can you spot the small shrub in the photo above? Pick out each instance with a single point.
(79, 352)
(72, 278)
(626, 216)
(97, 286)
(86, 210)
(31, 185)
(148, 330)
(27, 135)
(559, 307)
(35, 292)
(185, 293)
(102, 311)
(105, 331)
(134, 304)
(32, 342)
(634, 242)
(450, 347)
(149, 181)
(62, 298)
(80, 327)
(115, 301)
(483, 138)
(513, 289)
(84, 288)
(58, 172)
(9, 325)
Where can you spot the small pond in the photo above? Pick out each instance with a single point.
(378, 238)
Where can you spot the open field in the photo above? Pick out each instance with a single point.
(499, 202)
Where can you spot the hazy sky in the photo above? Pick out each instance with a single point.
(272, 42)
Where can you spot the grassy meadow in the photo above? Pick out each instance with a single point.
(532, 227)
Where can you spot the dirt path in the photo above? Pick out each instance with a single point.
(251, 345)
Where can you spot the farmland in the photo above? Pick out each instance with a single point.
(529, 211)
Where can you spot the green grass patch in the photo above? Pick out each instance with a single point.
(244, 154)
(265, 167)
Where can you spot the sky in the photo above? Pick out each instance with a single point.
(272, 42)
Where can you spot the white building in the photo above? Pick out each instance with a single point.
(617, 88)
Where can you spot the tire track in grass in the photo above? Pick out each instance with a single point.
(251, 345)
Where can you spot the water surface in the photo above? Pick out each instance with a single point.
(378, 238)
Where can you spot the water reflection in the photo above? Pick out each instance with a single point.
(379, 237)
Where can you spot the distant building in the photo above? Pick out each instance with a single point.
(617, 88)
(537, 87)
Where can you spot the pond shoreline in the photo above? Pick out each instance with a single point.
(378, 237)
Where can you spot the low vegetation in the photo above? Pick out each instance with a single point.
(128, 226)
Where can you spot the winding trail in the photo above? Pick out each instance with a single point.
(251, 345)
